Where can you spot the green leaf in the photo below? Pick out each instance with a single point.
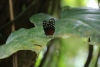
(83, 22)
(24, 39)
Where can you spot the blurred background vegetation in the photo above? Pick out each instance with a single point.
(77, 50)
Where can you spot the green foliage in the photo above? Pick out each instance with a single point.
(79, 22)
(83, 22)
(63, 52)
(24, 39)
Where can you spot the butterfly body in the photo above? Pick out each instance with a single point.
(48, 27)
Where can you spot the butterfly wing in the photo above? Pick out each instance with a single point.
(49, 28)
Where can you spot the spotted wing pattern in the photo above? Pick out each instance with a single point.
(49, 27)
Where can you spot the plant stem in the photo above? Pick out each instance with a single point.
(90, 53)
(15, 64)
(11, 14)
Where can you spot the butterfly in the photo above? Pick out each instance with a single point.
(49, 26)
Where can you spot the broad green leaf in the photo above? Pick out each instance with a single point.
(83, 22)
(24, 39)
